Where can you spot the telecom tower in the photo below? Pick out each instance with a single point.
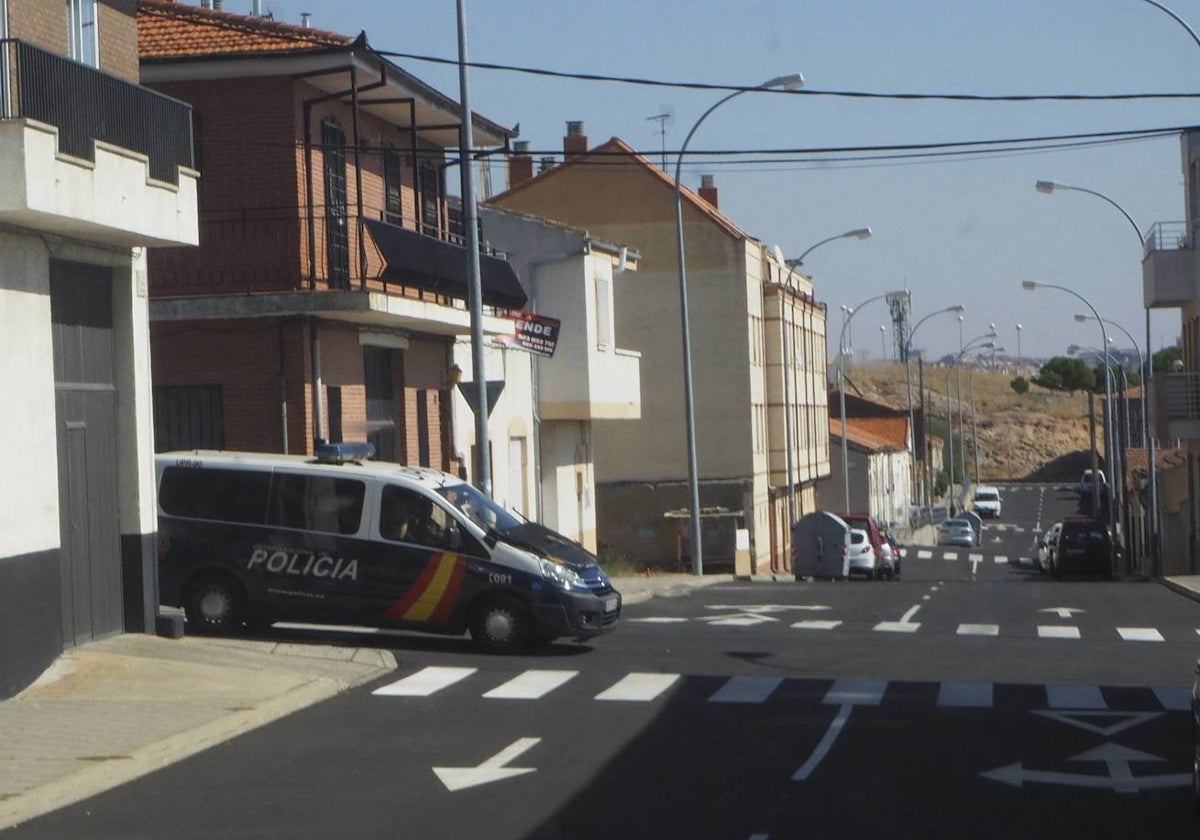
(900, 303)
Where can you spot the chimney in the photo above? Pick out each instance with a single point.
(707, 191)
(256, 8)
(520, 164)
(306, 19)
(576, 142)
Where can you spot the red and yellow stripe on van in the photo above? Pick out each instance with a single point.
(433, 594)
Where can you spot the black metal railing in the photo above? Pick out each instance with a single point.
(87, 105)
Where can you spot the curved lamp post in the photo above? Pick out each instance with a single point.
(980, 342)
(850, 313)
(1032, 285)
(790, 82)
(1081, 318)
(857, 233)
(958, 308)
(974, 425)
(1148, 373)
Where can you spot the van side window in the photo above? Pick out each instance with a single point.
(317, 503)
(219, 495)
(406, 516)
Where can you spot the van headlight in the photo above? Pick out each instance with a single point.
(561, 575)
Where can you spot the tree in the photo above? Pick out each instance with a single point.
(1066, 374)
(1164, 360)
(1020, 385)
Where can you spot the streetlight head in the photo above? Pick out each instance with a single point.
(860, 233)
(1019, 328)
(1050, 186)
(1080, 317)
(958, 307)
(793, 81)
(1029, 285)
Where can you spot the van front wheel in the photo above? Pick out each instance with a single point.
(215, 604)
(501, 625)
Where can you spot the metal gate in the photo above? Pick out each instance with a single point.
(85, 419)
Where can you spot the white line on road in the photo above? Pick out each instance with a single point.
(1052, 631)
(1140, 634)
(638, 686)
(850, 692)
(924, 554)
(531, 685)
(746, 690)
(979, 629)
(425, 682)
(826, 744)
(816, 624)
(969, 694)
(1059, 696)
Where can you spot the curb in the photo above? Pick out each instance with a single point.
(1179, 588)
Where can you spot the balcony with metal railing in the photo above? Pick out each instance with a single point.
(1169, 265)
(1177, 405)
(89, 155)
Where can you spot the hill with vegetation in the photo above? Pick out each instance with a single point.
(1038, 435)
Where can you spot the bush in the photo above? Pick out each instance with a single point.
(1020, 385)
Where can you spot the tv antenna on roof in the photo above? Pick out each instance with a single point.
(665, 116)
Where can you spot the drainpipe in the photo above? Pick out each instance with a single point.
(318, 390)
(283, 409)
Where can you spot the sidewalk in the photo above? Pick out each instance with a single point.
(111, 711)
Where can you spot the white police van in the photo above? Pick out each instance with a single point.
(250, 539)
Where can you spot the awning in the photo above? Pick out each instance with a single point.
(441, 267)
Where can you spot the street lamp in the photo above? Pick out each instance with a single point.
(1032, 285)
(1147, 382)
(1019, 328)
(883, 342)
(958, 308)
(980, 342)
(857, 233)
(974, 425)
(849, 313)
(1081, 318)
(790, 82)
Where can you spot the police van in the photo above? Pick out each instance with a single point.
(249, 539)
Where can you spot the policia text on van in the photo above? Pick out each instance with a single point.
(254, 538)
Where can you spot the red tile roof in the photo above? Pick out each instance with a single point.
(892, 429)
(859, 435)
(167, 29)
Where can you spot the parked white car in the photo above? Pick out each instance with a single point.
(861, 555)
(1046, 548)
(987, 502)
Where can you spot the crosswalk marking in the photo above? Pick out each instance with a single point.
(535, 684)
(950, 555)
(816, 624)
(975, 558)
(969, 694)
(530, 685)
(638, 687)
(979, 629)
(746, 690)
(1056, 631)
(924, 554)
(1001, 558)
(856, 693)
(898, 626)
(425, 682)
(1140, 634)
(1061, 696)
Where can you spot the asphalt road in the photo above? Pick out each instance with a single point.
(972, 698)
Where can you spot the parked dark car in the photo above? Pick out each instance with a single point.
(1085, 546)
(1196, 737)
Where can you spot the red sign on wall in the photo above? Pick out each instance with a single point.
(535, 333)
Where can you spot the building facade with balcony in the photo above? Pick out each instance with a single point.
(1171, 280)
(642, 479)
(329, 287)
(585, 381)
(94, 169)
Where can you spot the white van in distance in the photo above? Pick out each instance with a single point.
(986, 502)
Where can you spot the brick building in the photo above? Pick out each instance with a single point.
(328, 288)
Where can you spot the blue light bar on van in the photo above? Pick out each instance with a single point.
(343, 453)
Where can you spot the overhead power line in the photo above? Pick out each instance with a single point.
(852, 94)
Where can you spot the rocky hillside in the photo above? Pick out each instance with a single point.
(1040, 434)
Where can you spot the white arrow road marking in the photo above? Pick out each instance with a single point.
(492, 770)
(1063, 612)
(1116, 758)
(904, 625)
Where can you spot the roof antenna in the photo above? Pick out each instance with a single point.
(665, 117)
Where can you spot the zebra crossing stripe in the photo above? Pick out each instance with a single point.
(816, 624)
(425, 682)
(950, 555)
(1140, 634)
(1061, 696)
(925, 555)
(855, 693)
(975, 558)
(531, 685)
(638, 687)
(965, 694)
(1001, 558)
(1174, 698)
(746, 690)
(1056, 631)
(979, 629)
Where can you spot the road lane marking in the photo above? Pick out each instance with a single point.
(1140, 634)
(826, 744)
(531, 685)
(950, 555)
(974, 558)
(1062, 696)
(979, 629)
(425, 682)
(1174, 698)
(1047, 631)
(851, 692)
(746, 690)
(638, 687)
(924, 554)
(816, 624)
(1001, 558)
(965, 694)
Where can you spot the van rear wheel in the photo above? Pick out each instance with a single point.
(501, 625)
(215, 604)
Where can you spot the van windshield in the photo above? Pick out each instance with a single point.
(477, 507)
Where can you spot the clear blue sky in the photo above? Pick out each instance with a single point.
(952, 231)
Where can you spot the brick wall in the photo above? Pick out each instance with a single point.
(44, 23)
